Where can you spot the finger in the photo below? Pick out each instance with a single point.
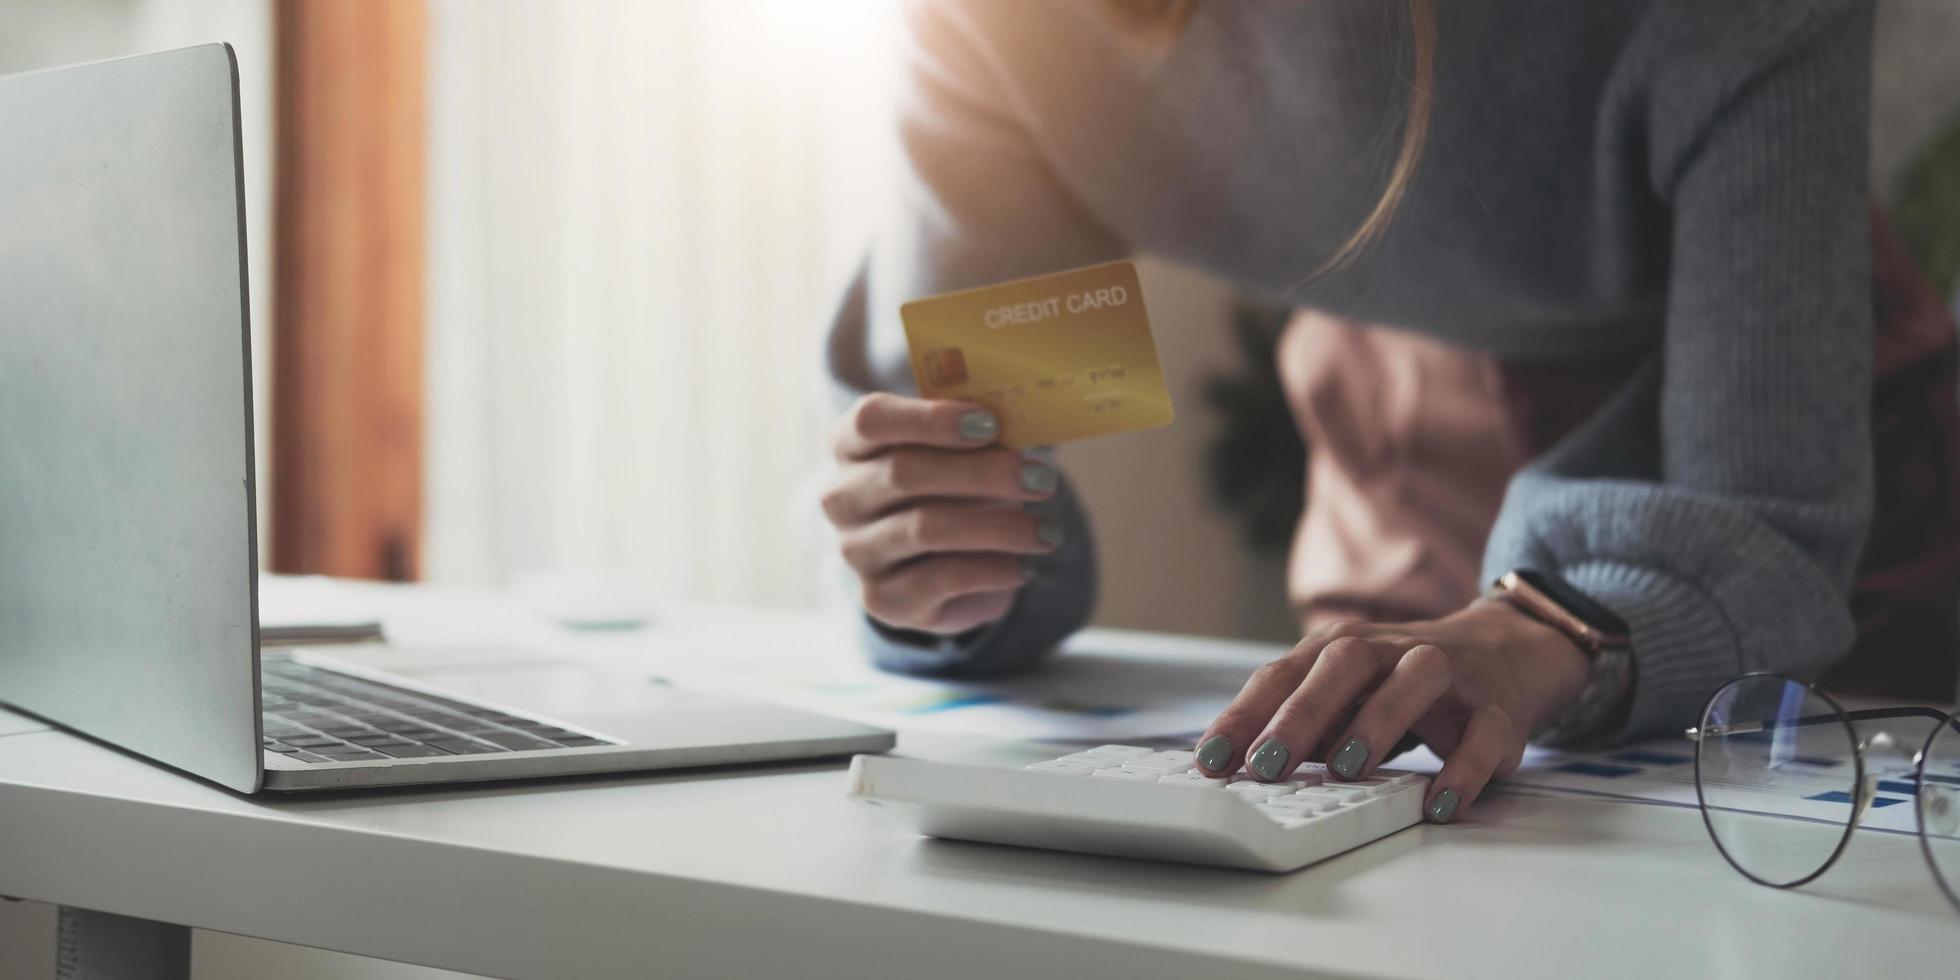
(931, 529)
(1224, 746)
(911, 596)
(964, 612)
(1345, 670)
(868, 489)
(1491, 745)
(1418, 678)
(881, 420)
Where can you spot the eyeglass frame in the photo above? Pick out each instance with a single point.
(1866, 790)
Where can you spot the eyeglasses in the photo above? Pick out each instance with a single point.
(1784, 776)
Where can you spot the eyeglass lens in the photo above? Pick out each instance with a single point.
(1777, 772)
(1939, 805)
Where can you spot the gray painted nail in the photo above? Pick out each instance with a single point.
(1051, 533)
(1036, 478)
(1443, 807)
(1214, 753)
(1269, 760)
(1349, 760)
(1029, 566)
(979, 426)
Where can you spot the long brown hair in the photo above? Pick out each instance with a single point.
(1165, 19)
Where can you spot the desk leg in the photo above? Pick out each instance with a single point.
(99, 946)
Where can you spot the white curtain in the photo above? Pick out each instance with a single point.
(640, 211)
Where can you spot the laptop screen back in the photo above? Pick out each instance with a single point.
(127, 548)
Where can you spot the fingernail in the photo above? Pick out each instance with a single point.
(1349, 760)
(1443, 807)
(1269, 760)
(1028, 567)
(1214, 753)
(1036, 478)
(1940, 809)
(1051, 533)
(979, 426)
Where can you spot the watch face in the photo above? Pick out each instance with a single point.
(1575, 602)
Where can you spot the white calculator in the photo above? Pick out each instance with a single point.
(1134, 802)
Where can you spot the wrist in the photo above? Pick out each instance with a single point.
(1556, 669)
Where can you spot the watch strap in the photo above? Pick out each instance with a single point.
(1598, 633)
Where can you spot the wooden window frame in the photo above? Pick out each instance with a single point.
(348, 309)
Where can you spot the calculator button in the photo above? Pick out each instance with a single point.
(1132, 775)
(1162, 762)
(1118, 751)
(1258, 791)
(1334, 792)
(1191, 779)
(1064, 768)
(1299, 803)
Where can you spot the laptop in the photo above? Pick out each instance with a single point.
(128, 542)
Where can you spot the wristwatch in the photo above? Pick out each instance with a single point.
(1599, 634)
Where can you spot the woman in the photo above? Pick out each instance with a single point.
(1624, 253)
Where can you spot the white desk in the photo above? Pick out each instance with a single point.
(770, 872)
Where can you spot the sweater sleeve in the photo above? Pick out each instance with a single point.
(977, 204)
(1719, 503)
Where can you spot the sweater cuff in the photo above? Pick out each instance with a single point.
(1011, 645)
(1683, 647)
(926, 654)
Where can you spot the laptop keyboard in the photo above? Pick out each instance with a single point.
(320, 716)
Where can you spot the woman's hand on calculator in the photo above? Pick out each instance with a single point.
(928, 512)
(1473, 685)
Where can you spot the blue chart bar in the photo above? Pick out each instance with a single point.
(1647, 758)
(949, 702)
(1839, 796)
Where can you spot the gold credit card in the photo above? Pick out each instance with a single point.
(1057, 357)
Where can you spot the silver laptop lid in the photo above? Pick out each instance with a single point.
(127, 533)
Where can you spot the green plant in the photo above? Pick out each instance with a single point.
(1928, 212)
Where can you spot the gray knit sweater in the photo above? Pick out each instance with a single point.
(1606, 177)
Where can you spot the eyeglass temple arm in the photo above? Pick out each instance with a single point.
(1879, 714)
(1868, 714)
